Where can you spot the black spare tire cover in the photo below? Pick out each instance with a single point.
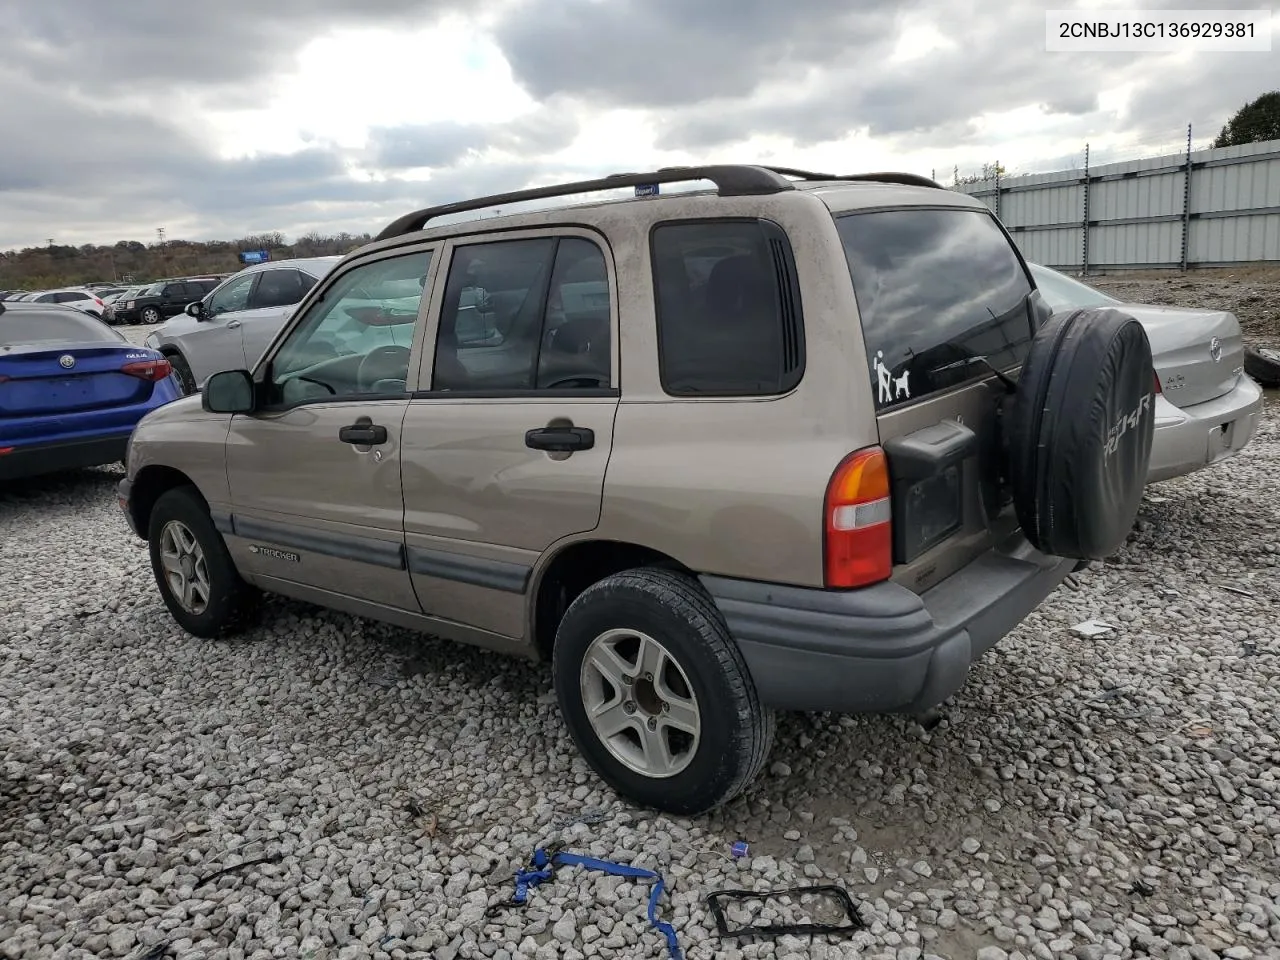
(1080, 432)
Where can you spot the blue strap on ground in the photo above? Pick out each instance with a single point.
(544, 865)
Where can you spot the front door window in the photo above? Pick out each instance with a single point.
(356, 341)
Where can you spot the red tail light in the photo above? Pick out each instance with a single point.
(98, 302)
(1159, 389)
(153, 370)
(859, 527)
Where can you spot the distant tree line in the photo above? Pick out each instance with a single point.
(56, 265)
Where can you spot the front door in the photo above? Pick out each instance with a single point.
(214, 342)
(505, 455)
(315, 475)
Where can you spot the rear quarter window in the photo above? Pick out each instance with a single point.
(937, 290)
(729, 314)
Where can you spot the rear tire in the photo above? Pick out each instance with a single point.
(182, 373)
(193, 569)
(1263, 364)
(689, 732)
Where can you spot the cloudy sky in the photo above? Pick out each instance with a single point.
(215, 120)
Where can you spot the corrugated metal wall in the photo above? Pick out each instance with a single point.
(1141, 214)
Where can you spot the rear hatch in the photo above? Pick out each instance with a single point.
(943, 299)
(1198, 354)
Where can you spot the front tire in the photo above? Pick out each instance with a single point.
(193, 569)
(150, 315)
(182, 373)
(656, 695)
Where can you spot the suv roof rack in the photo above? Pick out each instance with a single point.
(887, 176)
(731, 180)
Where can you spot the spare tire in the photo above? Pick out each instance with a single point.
(1080, 432)
(1263, 364)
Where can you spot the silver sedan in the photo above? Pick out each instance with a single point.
(1207, 409)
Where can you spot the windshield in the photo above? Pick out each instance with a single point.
(1061, 292)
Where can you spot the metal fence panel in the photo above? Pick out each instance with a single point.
(1211, 207)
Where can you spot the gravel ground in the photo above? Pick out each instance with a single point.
(1111, 797)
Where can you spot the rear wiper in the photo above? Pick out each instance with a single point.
(1010, 384)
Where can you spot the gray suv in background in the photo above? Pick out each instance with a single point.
(231, 326)
(795, 442)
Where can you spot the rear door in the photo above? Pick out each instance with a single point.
(276, 293)
(524, 363)
(943, 298)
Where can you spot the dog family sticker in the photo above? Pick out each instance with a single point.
(891, 387)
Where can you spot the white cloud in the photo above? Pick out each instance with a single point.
(318, 112)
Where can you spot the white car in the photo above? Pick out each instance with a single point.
(77, 297)
(1207, 409)
(234, 323)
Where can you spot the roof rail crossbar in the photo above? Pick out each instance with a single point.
(907, 179)
(731, 180)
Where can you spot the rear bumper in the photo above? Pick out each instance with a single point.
(34, 459)
(882, 649)
(1187, 439)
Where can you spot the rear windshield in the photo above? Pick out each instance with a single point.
(1060, 292)
(936, 290)
(50, 326)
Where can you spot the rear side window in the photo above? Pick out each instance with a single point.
(48, 326)
(728, 308)
(277, 288)
(938, 291)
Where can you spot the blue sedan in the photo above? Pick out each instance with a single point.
(71, 389)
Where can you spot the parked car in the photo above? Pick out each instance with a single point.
(1263, 364)
(162, 299)
(231, 326)
(117, 303)
(655, 464)
(1207, 408)
(76, 297)
(71, 389)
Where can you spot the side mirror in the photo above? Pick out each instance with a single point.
(196, 309)
(228, 391)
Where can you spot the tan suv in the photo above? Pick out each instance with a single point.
(796, 441)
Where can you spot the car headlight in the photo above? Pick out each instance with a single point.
(129, 305)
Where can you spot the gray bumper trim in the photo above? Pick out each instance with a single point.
(882, 648)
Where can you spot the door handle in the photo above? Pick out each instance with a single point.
(560, 439)
(233, 324)
(363, 434)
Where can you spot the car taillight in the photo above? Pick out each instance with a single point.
(859, 521)
(98, 302)
(1159, 389)
(153, 370)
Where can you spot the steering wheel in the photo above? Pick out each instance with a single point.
(395, 357)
